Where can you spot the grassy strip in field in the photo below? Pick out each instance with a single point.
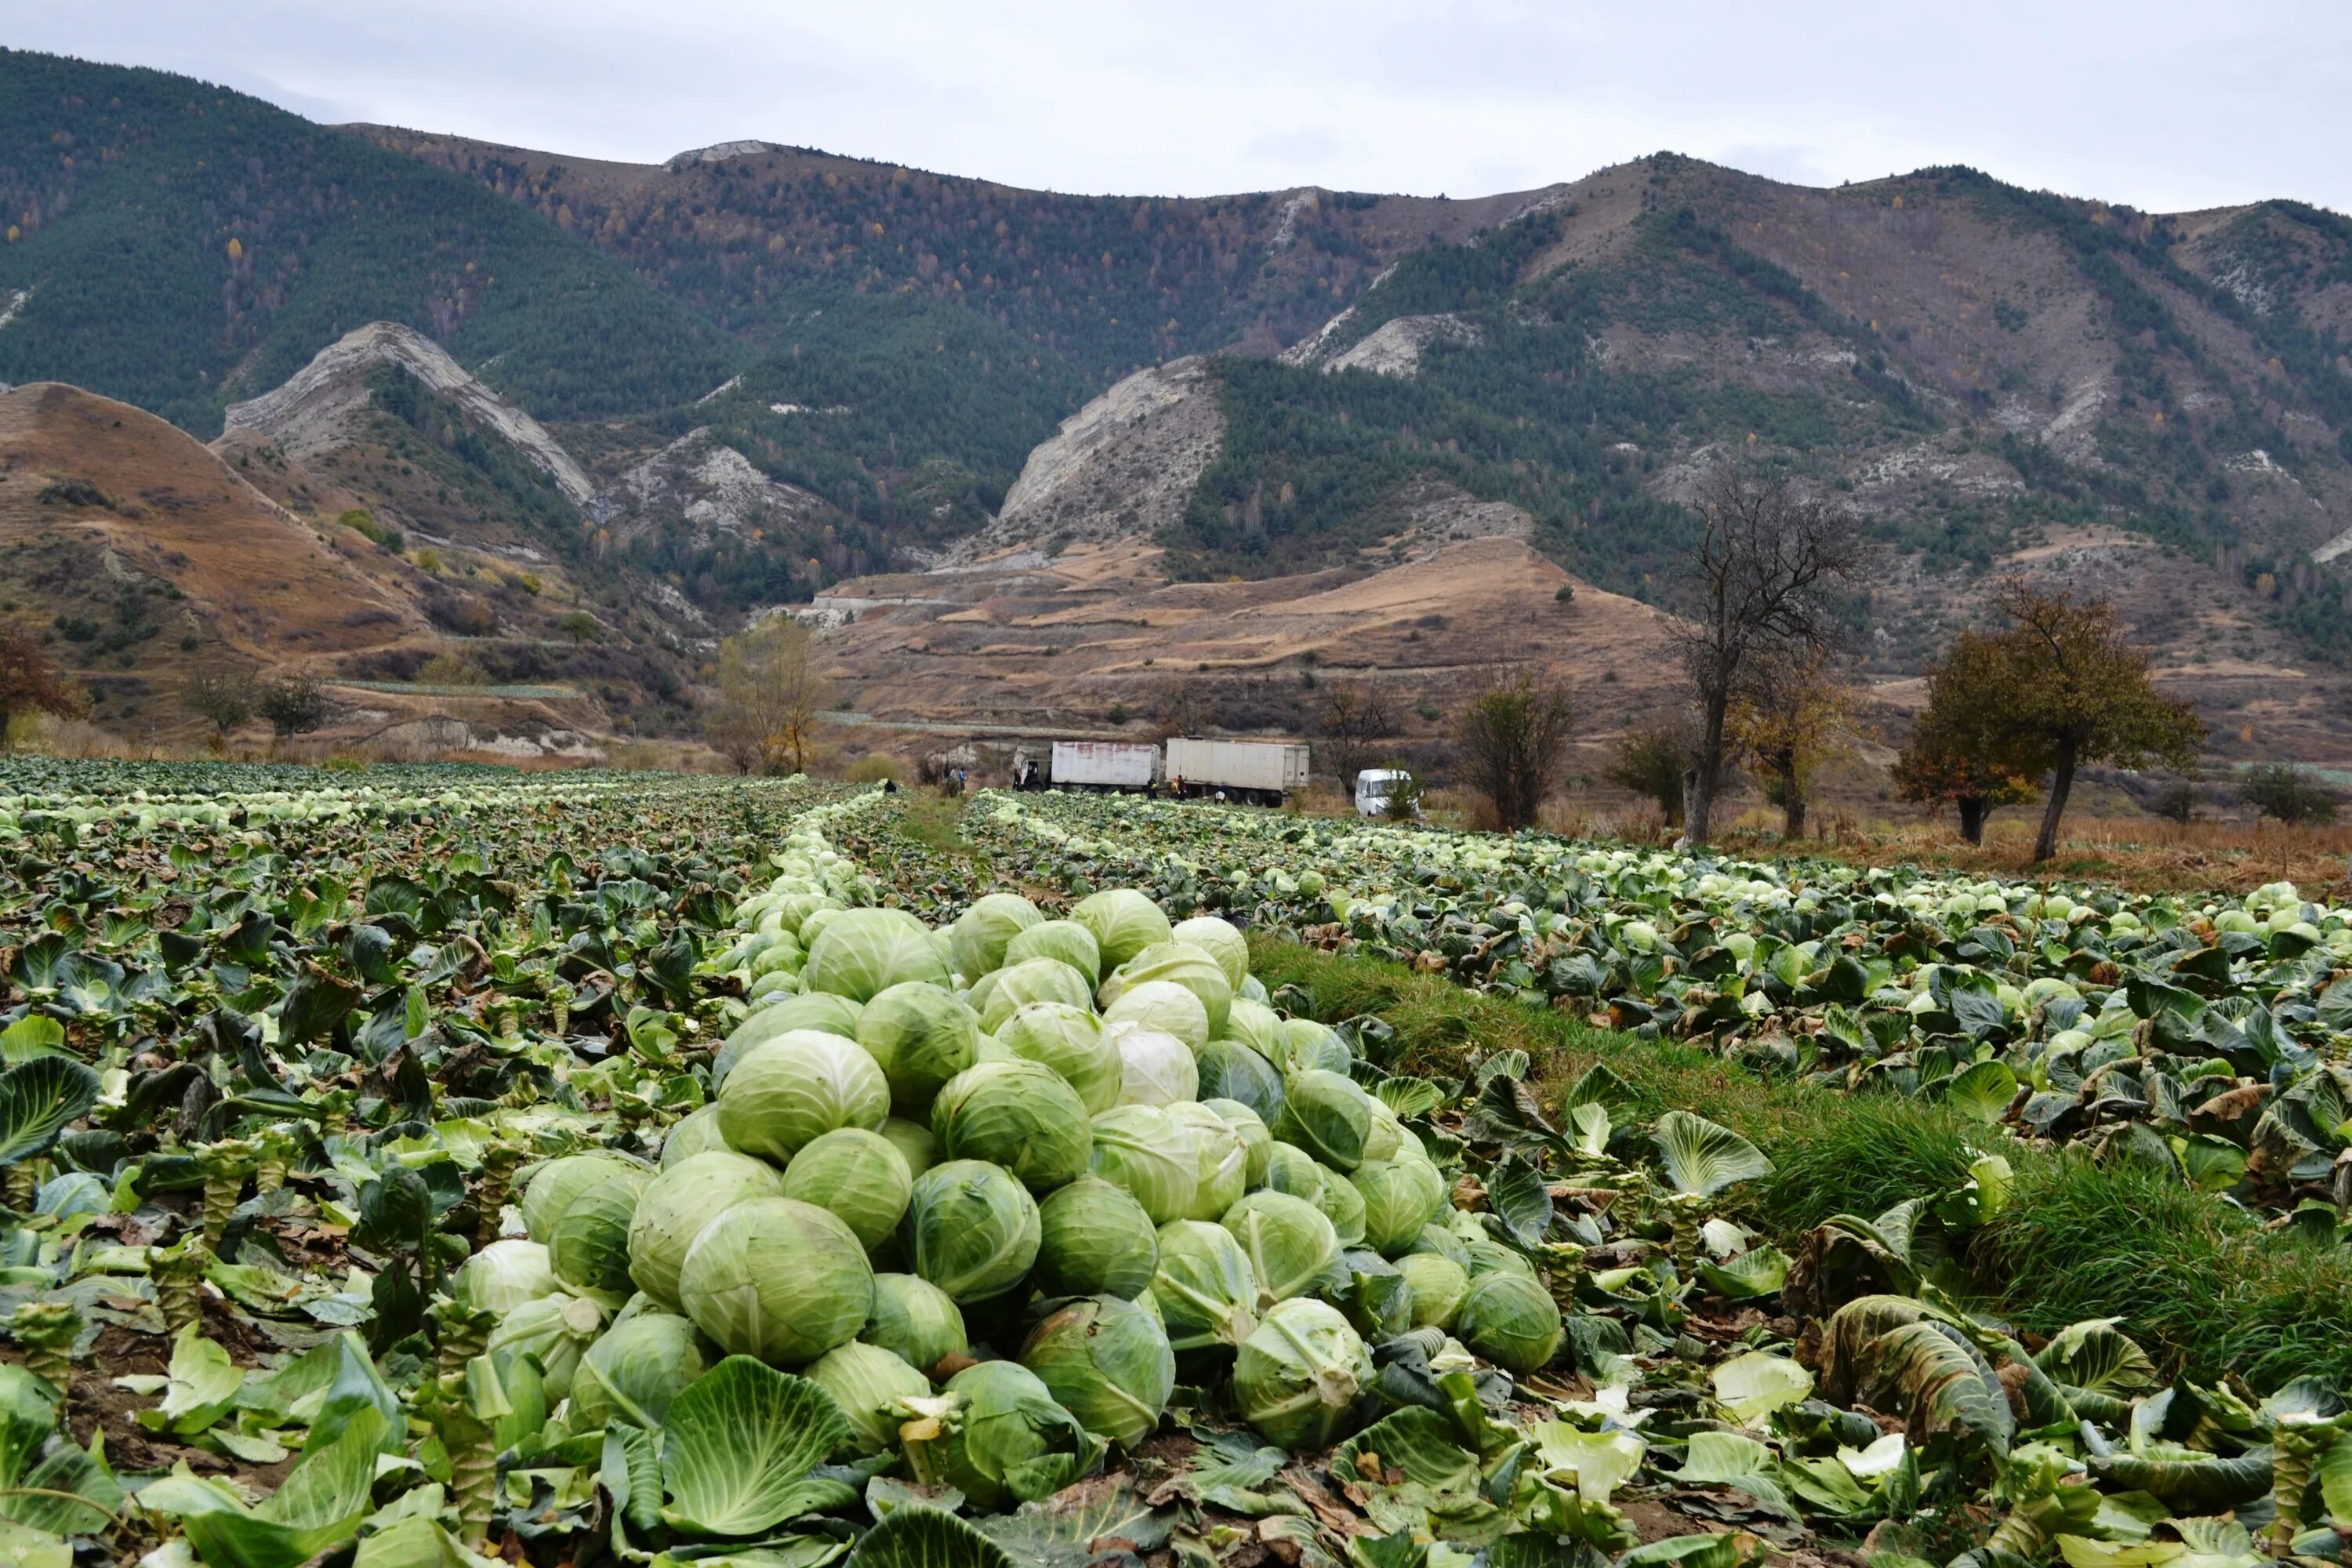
(2194, 1279)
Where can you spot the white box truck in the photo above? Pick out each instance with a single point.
(1101, 766)
(1256, 772)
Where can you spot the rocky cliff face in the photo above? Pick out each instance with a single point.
(312, 412)
(1122, 468)
(703, 487)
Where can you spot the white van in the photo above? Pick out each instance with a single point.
(1373, 787)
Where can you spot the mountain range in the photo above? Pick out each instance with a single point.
(567, 422)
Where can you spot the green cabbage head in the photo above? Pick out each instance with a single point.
(1071, 1041)
(1001, 1439)
(981, 933)
(781, 1280)
(1300, 1374)
(858, 1176)
(676, 1205)
(1123, 923)
(1094, 1239)
(635, 1370)
(915, 1321)
(1151, 1155)
(862, 953)
(922, 1036)
(797, 1086)
(1106, 1361)
(971, 1229)
(868, 1383)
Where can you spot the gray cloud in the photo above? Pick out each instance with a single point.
(2161, 103)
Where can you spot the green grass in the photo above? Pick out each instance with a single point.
(2194, 1279)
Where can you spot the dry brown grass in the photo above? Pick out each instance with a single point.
(2145, 853)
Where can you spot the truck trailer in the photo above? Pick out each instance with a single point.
(1256, 772)
(1121, 766)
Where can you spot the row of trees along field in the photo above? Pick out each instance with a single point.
(2015, 708)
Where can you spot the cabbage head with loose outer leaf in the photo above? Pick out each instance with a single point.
(1151, 1155)
(1003, 1441)
(781, 1280)
(504, 1275)
(1204, 1287)
(556, 1329)
(1327, 1115)
(1162, 1006)
(1065, 940)
(1300, 1374)
(1016, 986)
(635, 1370)
(797, 1086)
(590, 1249)
(1071, 1041)
(971, 1229)
(1225, 1160)
(676, 1205)
(1094, 1239)
(1107, 1361)
(921, 1035)
(915, 1321)
(1308, 1045)
(981, 933)
(1123, 923)
(1438, 1285)
(554, 1184)
(1254, 1025)
(1399, 1197)
(1289, 1241)
(863, 953)
(858, 1176)
(1510, 1320)
(1229, 1069)
(867, 1382)
(1155, 1069)
(1257, 1143)
(1222, 940)
(1177, 964)
(1017, 1114)
(1344, 1206)
(817, 1010)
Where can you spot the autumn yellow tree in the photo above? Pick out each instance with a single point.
(770, 694)
(1790, 716)
(29, 682)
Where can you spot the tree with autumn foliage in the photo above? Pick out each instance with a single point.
(2060, 687)
(1789, 717)
(1957, 753)
(29, 681)
(770, 694)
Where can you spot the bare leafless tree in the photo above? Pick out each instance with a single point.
(1513, 739)
(1355, 721)
(1770, 559)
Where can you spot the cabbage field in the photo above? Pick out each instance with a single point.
(2204, 1037)
(423, 1167)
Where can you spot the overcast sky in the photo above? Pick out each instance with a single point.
(2159, 103)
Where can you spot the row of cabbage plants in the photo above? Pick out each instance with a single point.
(2204, 1035)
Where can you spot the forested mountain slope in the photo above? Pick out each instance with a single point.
(180, 246)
